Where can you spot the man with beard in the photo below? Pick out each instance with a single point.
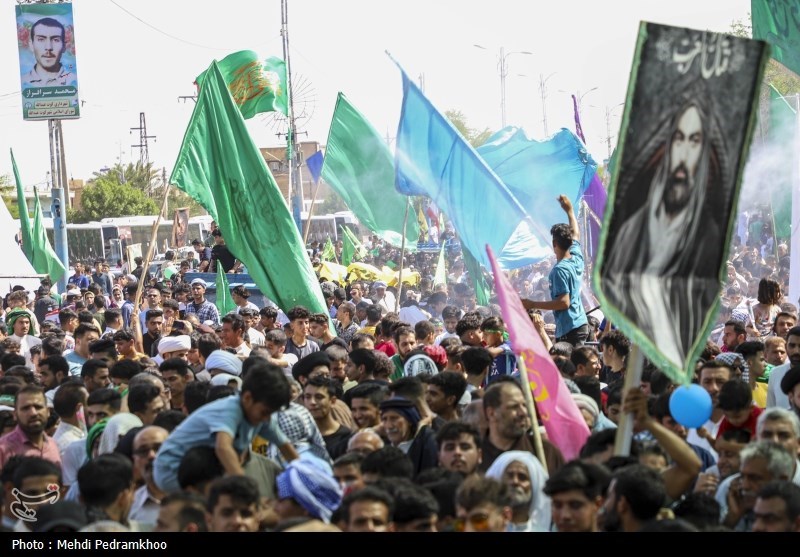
(665, 254)
(29, 437)
(525, 478)
(775, 396)
(509, 425)
(635, 496)
(147, 499)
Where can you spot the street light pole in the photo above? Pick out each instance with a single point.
(580, 96)
(543, 92)
(502, 66)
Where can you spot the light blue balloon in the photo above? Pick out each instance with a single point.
(690, 406)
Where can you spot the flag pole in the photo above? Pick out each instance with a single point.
(135, 324)
(310, 214)
(633, 378)
(402, 258)
(531, 404)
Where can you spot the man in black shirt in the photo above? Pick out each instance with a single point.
(222, 255)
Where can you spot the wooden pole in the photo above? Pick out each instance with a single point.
(310, 213)
(531, 404)
(138, 333)
(402, 258)
(633, 378)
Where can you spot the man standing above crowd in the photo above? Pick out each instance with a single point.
(202, 308)
(566, 278)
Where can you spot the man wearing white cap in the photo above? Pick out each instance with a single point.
(220, 361)
(205, 310)
(174, 347)
(382, 297)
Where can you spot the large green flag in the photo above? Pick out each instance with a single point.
(256, 86)
(221, 168)
(35, 244)
(45, 260)
(224, 301)
(778, 23)
(24, 219)
(782, 126)
(440, 277)
(360, 168)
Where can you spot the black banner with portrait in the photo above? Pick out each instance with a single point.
(180, 227)
(685, 135)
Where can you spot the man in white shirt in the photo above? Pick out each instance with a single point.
(383, 298)
(68, 402)
(19, 323)
(775, 396)
(147, 499)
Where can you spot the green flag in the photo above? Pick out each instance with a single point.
(328, 253)
(441, 273)
(777, 23)
(476, 275)
(35, 244)
(348, 249)
(360, 252)
(360, 168)
(45, 260)
(255, 86)
(224, 302)
(24, 220)
(221, 168)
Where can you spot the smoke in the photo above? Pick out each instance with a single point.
(768, 172)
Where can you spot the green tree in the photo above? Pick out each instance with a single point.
(107, 197)
(7, 190)
(475, 137)
(333, 203)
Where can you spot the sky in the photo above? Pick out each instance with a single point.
(141, 56)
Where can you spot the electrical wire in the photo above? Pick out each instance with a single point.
(154, 28)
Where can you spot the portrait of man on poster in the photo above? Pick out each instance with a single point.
(48, 43)
(665, 255)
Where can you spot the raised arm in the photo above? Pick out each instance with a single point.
(566, 204)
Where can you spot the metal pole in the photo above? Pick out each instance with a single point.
(543, 92)
(58, 207)
(794, 243)
(295, 184)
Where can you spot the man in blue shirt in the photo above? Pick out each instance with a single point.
(566, 279)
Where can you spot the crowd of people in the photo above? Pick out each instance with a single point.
(395, 410)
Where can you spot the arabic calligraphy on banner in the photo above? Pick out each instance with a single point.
(715, 54)
(48, 72)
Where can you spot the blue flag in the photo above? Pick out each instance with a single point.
(432, 159)
(314, 163)
(537, 172)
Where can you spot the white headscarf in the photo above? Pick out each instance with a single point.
(118, 425)
(539, 518)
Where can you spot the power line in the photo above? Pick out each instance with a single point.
(154, 28)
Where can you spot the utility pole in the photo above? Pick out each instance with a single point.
(144, 157)
(293, 154)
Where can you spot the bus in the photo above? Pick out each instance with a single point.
(330, 226)
(119, 232)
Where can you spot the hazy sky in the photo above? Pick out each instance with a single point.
(143, 62)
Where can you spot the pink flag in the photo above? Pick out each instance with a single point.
(562, 420)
